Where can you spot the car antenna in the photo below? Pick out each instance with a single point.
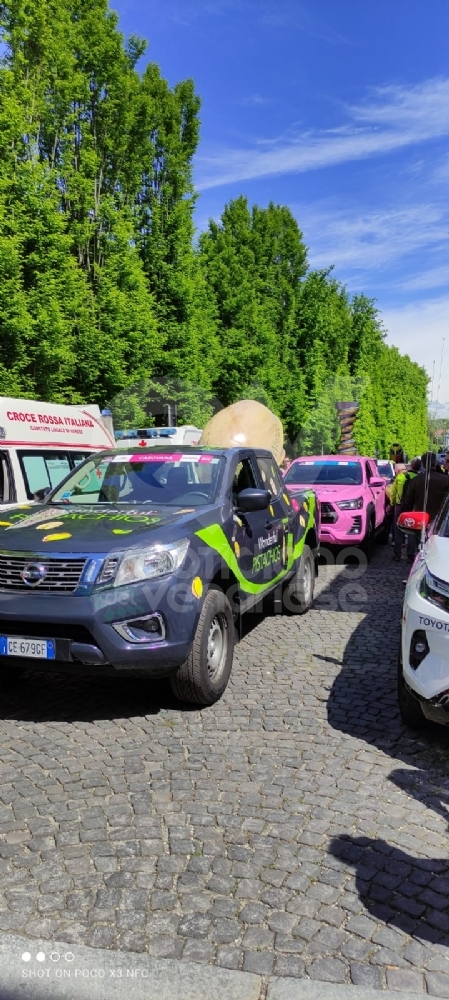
(428, 467)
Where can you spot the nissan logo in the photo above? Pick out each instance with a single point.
(33, 574)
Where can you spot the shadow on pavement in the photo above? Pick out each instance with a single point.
(48, 697)
(404, 890)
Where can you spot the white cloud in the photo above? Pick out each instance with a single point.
(441, 171)
(418, 329)
(256, 100)
(365, 242)
(436, 277)
(394, 118)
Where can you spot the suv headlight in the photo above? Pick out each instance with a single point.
(150, 563)
(350, 504)
(435, 590)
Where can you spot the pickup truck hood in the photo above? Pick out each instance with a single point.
(330, 493)
(101, 528)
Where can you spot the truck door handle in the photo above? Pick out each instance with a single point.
(268, 524)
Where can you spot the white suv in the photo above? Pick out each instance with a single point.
(423, 667)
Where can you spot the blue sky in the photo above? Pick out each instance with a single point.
(340, 110)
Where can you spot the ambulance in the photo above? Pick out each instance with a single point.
(40, 443)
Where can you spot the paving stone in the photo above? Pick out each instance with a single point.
(328, 970)
(196, 925)
(405, 979)
(366, 975)
(362, 926)
(228, 957)
(260, 962)
(198, 951)
(226, 931)
(289, 965)
(437, 984)
(280, 921)
(258, 939)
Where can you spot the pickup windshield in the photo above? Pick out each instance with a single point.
(324, 474)
(173, 479)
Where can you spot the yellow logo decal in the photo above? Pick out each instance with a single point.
(286, 498)
(56, 538)
(197, 587)
(52, 524)
(302, 521)
(237, 549)
(122, 531)
(5, 524)
(271, 509)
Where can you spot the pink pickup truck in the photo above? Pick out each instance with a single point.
(351, 495)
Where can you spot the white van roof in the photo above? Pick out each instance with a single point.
(28, 422)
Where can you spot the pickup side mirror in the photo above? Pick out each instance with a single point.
(377, 481)
(250, 500)
(413, 522)
(41, 494)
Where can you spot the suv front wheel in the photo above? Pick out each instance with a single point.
(204, 676)
(410, 709)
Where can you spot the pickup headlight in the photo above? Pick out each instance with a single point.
(435, 590)
(150, 563)
(350, 504)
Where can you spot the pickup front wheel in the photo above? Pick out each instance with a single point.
(204, 676)
(298, 592)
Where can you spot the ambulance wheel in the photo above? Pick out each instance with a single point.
(204, 676)
(298, 592)
(410, 709)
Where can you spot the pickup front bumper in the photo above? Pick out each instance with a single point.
(84, 628)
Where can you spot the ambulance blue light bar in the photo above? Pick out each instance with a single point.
(145, 432)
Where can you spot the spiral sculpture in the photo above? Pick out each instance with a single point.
(347, 413)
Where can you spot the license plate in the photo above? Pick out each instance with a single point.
(32, 649)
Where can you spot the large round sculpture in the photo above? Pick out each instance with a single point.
(246, 423)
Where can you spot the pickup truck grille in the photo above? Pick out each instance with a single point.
(47, 630)
(61, 576)
(328, 513)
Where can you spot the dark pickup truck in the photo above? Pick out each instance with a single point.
(143, 559)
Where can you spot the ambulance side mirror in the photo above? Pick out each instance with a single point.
(41, 494)
(413, 522)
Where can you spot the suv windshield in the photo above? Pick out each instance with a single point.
(324, 474)
(175, 479)
(384, 469)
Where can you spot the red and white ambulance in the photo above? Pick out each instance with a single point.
(41, 442)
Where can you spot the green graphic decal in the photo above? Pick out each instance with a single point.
(215, 537)
(129, 518)
(266, 558)
(73, 516)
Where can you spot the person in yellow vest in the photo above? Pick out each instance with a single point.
(398, 495)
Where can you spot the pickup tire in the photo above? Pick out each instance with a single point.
(204, 676)
(410, 709)
(368, 541)
(383, 536)
(298, 592)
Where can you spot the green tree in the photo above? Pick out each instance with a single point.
(253, 262)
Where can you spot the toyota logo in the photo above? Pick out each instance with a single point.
(33, 574)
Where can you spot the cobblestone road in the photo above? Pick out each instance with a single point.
(294, 828)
